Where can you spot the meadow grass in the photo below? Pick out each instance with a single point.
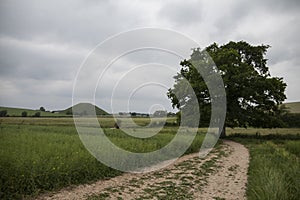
(105, 122)
(44, 154)
(274, 169)
(36, 158)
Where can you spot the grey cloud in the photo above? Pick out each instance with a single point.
(280, 6)
(182, 13)
(38, 60)
(42, 43)
(32, 93)
(86, 23)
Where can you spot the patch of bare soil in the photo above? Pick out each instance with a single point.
(220, 175)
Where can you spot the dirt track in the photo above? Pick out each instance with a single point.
(220, 175)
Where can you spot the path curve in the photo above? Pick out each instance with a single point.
(220, 175)
(230, 180)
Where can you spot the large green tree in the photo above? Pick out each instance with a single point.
(252, 94)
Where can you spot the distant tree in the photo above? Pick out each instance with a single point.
(37, 114)
(24, 114)
(3, 113)
(252, 94)
(133, 114)
(291, 120)
(42, 109)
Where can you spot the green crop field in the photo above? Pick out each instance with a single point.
(105, 122)
(44, 154)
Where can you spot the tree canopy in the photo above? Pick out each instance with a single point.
(252, 94)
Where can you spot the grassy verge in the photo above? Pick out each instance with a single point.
(274, 170)
(38, 158)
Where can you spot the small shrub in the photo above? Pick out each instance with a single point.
(24, 114)
(37, 114)
(3, 113)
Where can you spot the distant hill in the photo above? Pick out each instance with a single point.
(17, 112)
(293, 107)
(83, 109)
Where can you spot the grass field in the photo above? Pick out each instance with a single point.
(36, 156)
(274, 170)
(107, 122)
(44, 154)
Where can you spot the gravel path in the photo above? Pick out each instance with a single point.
(220, 175)
(229, 182)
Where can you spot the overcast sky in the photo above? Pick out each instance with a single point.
(43, 43)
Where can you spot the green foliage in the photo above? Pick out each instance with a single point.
(133, 114)
(24, 114)
(252, 94)
(37, 114)
(291, 119)
(42, 109)
(3, 113)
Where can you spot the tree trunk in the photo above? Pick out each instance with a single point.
(223, 133)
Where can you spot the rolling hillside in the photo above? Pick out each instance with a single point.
(293, 107)
(84, 108)
(17, 112)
